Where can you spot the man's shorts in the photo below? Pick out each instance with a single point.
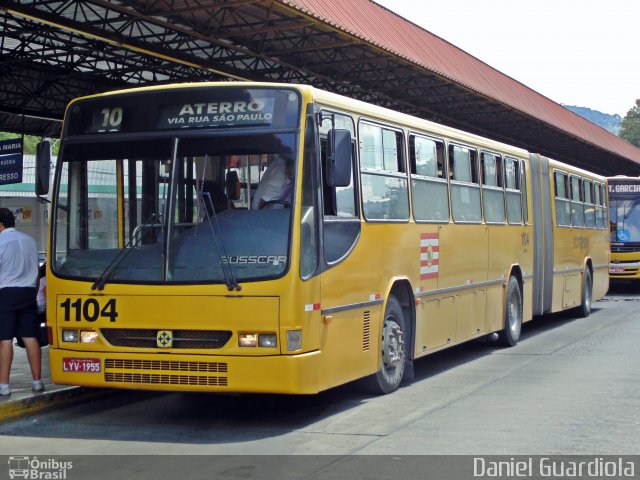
(18, 312)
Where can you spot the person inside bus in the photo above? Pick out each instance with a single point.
(232, 187)
(276, 185)
(213, 196)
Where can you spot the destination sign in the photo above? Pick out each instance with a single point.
(10, 161)
(183, 108)
(255, 111)
(624, 188)
(8, 147)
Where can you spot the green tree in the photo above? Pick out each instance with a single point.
(630, 126)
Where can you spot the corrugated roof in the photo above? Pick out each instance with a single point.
(376, 25)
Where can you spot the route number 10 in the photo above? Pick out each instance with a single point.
(112, 118)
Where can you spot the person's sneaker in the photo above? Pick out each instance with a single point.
(5, 390)
(37, 386)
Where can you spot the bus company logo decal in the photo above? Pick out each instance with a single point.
(429, 255)
(164, 339)
(36, 469)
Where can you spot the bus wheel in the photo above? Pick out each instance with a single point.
(393, 351)
(587, 293)
(510, 335)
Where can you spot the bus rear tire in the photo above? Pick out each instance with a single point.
(393, 350)
(587, 294)
(510, 334)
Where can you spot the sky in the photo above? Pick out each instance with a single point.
(575, 52)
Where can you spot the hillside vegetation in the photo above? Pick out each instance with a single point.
(604, 120)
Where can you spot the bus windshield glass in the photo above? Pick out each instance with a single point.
(625, 219)
(194, 205)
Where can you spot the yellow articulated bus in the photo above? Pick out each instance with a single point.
(624, 198)
(248, 237)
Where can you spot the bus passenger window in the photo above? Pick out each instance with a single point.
(385, 191)
(492, 188)
(430, 193)
(589, 207)
(563, 209)
(514, 198)
(465, 186)
(577, 207)
(523, 191)
(600, 206)
(371, 156)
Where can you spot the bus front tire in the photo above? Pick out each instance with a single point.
(393, 350)
(510, 334)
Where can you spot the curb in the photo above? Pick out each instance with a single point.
(58, 398)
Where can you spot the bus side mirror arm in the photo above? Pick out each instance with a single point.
(43, 167)
(339, 158)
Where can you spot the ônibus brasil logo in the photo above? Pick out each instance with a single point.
(32, 468)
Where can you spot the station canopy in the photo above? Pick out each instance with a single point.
(52, 51)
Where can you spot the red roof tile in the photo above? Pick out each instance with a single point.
(378, 26)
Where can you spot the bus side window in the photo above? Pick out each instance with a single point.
(600, 206)
(577, 207)
(465, 185)
(429, 187)
(385, 191)
(523, 191)
(492, 188)
(589, 206)
(563, 208)
(341, 218)
(514, 197)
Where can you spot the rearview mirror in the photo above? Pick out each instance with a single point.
(339, 158)
(43, 167)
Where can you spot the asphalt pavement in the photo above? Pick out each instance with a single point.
(22, 400)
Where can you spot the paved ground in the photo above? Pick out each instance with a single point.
(570, 386)
(22, 400)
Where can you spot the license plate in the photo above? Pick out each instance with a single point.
(616, 270)
(86, 365)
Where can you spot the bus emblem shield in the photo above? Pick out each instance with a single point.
(429, 255)
(164, 339)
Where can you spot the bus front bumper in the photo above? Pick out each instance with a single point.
(624, 270)
(291, 374)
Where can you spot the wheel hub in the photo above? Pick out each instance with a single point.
(392, 345)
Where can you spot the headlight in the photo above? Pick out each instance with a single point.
(69, 335)
(267, 340)
(248, 340)
(88, 336)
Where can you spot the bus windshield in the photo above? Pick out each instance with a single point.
(175, 210)
(625, 219)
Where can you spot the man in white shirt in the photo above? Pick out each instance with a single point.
(275, 184)
(18, 307)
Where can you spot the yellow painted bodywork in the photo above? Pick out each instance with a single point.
(466, 299)
(574, 249)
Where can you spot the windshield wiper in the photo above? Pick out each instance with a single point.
(229, 277)
(102, 280)
(628, 213)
